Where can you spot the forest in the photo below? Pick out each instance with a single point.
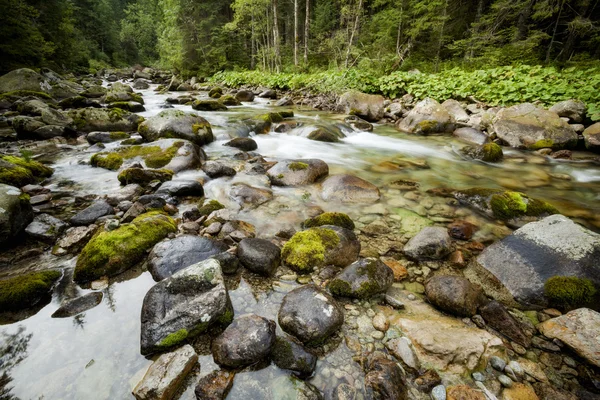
(379, 36)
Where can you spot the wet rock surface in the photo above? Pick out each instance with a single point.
(259, 256)
(78, 305)
(362, 279)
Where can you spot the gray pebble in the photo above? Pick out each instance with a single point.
(478, 376)
(439, 392)
(498, 363)
(505, 381)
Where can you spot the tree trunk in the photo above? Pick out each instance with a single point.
(306, 31)
(471, 51)
(523, 18)
(296, 35)
(353, 32)
(276, 40)
(399, 35)
(252, 44)
(549, 52)
(441, 42)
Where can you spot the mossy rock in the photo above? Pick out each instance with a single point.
(569, 292)
(144, 176)
(490, 152)
(131, 106)
(362, 279)
(18, 94)
(17, 171)
(229, 100)
(307, 249)
(110, 253)
(111, 161)
(25, 291)
(208, 105)
(330, 218)
(215, 92)
(209, 207)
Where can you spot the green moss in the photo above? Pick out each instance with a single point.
(542, 144)
(144, 176)
(38, 169)
(227, 317)
(17, 94)
(330, 218)
(111, 161)
(136, 97)
(568, 292)
(163, 157)
(427, 126)
(340, 288)
(508, 205)
(215, 92)
(24, 291)
(110, 253)
(17, 171)
(298, 166)
(229, 100)
(491, 152)
(116, 114)
(306, 250)
(271, 117)
(208, 208)
(118, 135)
(174, 339)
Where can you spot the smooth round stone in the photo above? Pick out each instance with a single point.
(505, 381)
(478, 376)
(377, 335)
(497, 363)
(439, 392)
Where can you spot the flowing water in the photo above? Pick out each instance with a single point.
(96, 354)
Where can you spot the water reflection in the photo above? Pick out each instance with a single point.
(13, 350)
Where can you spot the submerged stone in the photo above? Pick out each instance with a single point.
(291, 355)
(349, 189)
(78, 305)
(454, 294)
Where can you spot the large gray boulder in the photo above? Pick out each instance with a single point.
(591, 135)
(572, 109)
(517, 267)
(362, 279)
(177, 124)
(15, 212)
(367, 106)
(297, 172)
(530, 127)
(310, 314)
(46, 228)
(23, 79)
(103, 119)
(184, 305)
(170, 256)
(349, 189)
(427, 117)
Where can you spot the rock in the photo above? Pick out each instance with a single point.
(358, 124)
(367, 106)
(349, 189)
(326, 134)
(427, 117)
(106, 137)
(215, 169)
(15, 212)
(171, 256)
(229, 100)
(18, 172)
(78, 305)
(140, 84)
(438, 392)
(455, 295)
(177, 124)
(229, 262)
(463, 392)
(403, 350)
(283, 102)
(515, 208)
(317, 247)
(214, 386)
(246, 341)
(182, 188)
(489, 152)
(310, 314)
(290, 387)
(519, 391)
(456, 111)
(498, 317)
(166, 375)
(497, 363)
(89, 215)
(27, 290)
(290, 355)
(110, 253)
(184, 305)
(244, 95)
(105, 120)
(523, 261)
(297, 172)
(461, 230)
(22, 79)
(268, 94)
(344, 392)
(143, 177)
(471, 135)
(329, 218)
(208, 105)
(244, 144)
(591, 135)
(362, 279)
(46, 228)
(74, 239)
(578, 329)
(259, 256)
(432, 243)
(572, 109)
(505, 381)
(126, 193)
(385, 379)
(527, 126)
(246, 195)
(130, 106)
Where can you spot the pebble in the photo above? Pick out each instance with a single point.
(570, 362)
(411, 296)
(479, 321)
(370, 313)
(510, 373)
(518, 348)
(497, 363)
(377, 335)
(395, 303)
(288, 277)
(478, 376)
(439, 392)
(517, 369)
(505, 381)
(380, 322)
(100, 284)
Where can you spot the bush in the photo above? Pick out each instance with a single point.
(569, 292)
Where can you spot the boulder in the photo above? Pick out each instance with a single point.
(288, 354)
(530, 127)
(297, 172)
(171, 256)
(591, 135)
(367, 106)
(427, 117)
(177, 124)
(517, 267)
(15, 212)
(184, 305)
(471, 135)
(326, 134)
(362, 279)
(320, 246)
(89, 215)
(186, 187)
(349, 189)
(329, 218)
(246, 341)
(456, 111)
(216, 169)
(23, 79)
(385, 379)
(489, 152)
(244, 144)
(497, 317)
(244, 95)
(432, 243)
(214, 386)
(72, 307)
(358, 124)
(166, 375)
(27, 290)
(131, 106)
(143, 177)
(17, 171)
(572, 109)
(46, 228)
(579, 330)
(310, 314)
(259, 256)
(110, 253)
(229, 100)
(140, 84)
(106, 137)
(455, 295)
(208, 105)
(249, 196)
(103, 119)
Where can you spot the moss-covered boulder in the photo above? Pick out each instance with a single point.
(367, 106)
(215, 92)
(104, 119)
(513, 207)
(18, 171)
(22, 79)
(94, 92)
(15, 212)
(110, 253)
(263, 123)
(531, 127)
(119, 93)
(208, 105)
(131, 106)
(177, 124)
(229, 100)
(362, 279)
(591, 135)
(297, 172)
(489, 152)
(106, 137)
(427, 117)
(317, 247)
(326, 134)
(330, 218)
(143, 176)
(25, 291)
(569, 292)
